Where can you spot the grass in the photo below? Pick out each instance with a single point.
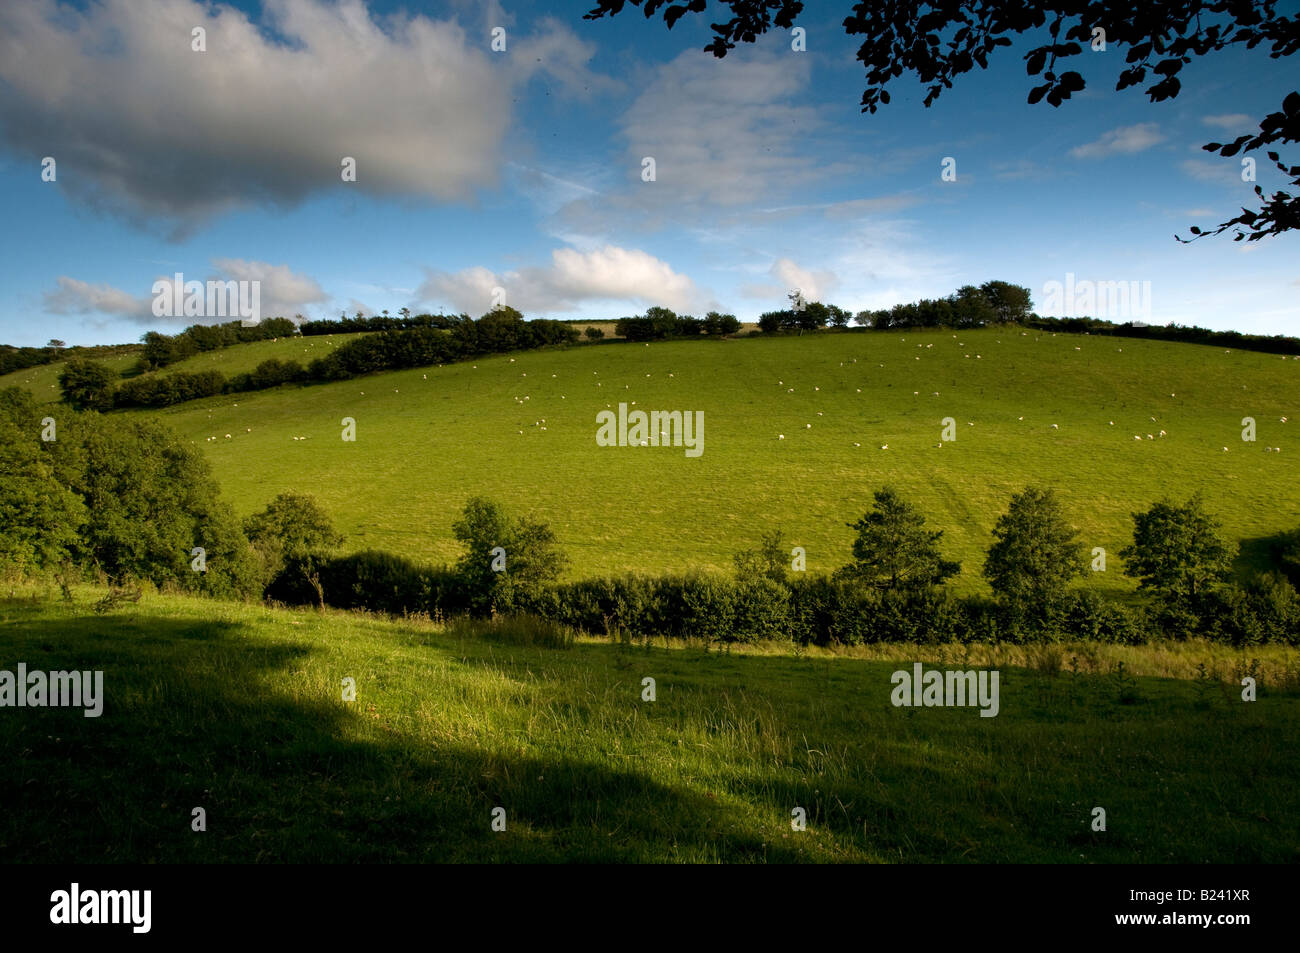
(429, 439)
(237, 708)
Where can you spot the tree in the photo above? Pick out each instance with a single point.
(149, 500)
(769, 560)
(55, 342)
(293, 535)
(505, 559)
(87, 385)
(720, 324)
(1010, 302)
(893, 550)
(971, 309)
(1177, 551)
(1162, 36)
(1035, 554)
(772, 322)
(40, 518)
(812, 316)
(502, 329)
(593, 333)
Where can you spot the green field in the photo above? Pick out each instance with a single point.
(238, 709)
(429, 439)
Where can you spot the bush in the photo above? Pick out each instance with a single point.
(1089, 617)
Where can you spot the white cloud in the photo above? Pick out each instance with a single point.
(74, 296)
(282, 292)
(812, 285)
(267, 113)
(1125, 139)
(572, 277)
(726, 131)
(1230, 121)
(1226, 172)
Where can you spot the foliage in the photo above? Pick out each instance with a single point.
(1176, 551)
(893, 550)
(1035, 555)
(87, 385)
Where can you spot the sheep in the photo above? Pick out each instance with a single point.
(1056, 427)
(884, 446)
(780, 436)
(1163, 434)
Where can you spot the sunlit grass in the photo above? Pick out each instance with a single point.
(238, 708)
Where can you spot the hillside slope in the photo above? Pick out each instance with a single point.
(429, 439)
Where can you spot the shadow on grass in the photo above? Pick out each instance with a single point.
(193, 718)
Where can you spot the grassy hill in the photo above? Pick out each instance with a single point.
(238, 709)
(428, 439)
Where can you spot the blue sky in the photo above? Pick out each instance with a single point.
(522, 169)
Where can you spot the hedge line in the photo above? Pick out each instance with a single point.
(810, 609)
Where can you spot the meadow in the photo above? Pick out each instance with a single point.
(237, 708)
(1028, 407)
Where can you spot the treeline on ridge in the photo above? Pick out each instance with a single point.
(90, 386)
